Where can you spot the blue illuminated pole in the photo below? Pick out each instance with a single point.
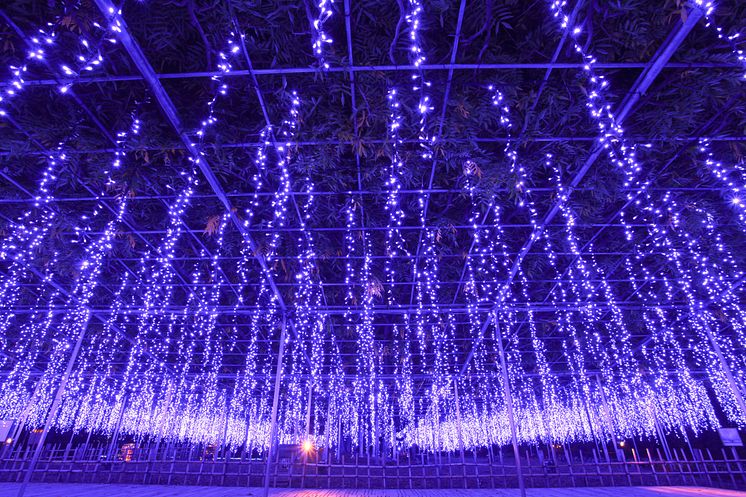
(509, 404)
(308, 411)
(112, 446)
(24, 414)
(458, 421)
(327, 447)
(275, 403)
(662, 437)
(737, 393)
(55, 405)
(609, 418)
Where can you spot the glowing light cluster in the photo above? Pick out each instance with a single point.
(419, 84)
(733, 40)
(729, 178)
(320, 37)
(34, 54)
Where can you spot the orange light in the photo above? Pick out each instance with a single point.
(8, 440)
(621, 444)
(127, 452)
(307, 446)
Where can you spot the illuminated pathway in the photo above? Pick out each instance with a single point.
(92, 490)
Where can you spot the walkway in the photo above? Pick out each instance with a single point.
(96, 490)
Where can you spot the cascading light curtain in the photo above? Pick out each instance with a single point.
(153, 365)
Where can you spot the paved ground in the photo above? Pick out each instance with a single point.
(95, 490)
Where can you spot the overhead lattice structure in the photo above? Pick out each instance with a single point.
(379, 224)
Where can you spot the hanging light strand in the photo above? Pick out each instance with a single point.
(321, 39)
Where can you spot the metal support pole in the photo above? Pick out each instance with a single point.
(55, 405)
(87, 441)
(458, 420)
(340, 438)
(167, 404)
(224, 447)
(737, 393)
(609, 418)
(662, 437)
(115, 435)
(18, 429)
(327, 432)
(275, 405)
(308, 420)
(374, 420)
(394, 452)
(308, 411)
(590, 427)
(509, 404)
(246, 445)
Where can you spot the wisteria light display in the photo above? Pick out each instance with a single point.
(420, 85)
(20, 249)
(33, 226)
(431, 334)
(571, 373)
(623, 155)
(92, 357)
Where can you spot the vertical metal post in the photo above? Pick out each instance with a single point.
(737, 393)
(246, 443)
(590, 427)
(275, 405)
(340, 438)
(509, 403)
(87, 441)
(308, 422)
(55, 405)
(458, 420)
(394, 451)
(327, 431)
(167, 403)
(374, 420)
(460, 431)
(662, 437)
(17, 430)
(308, 411)
(609, 418)
(115, 435)
(432, 430)
(225, 437)
(361, 451)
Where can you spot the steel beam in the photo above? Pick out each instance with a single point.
(378, 141)
(320, 229)
(386, 310)
(507, 66)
